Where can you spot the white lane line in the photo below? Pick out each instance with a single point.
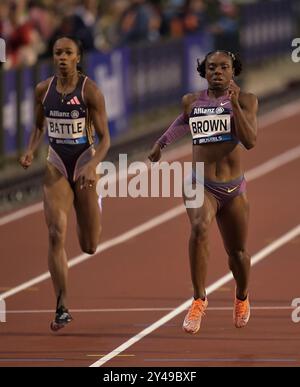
(252, 174)
(266, 120)
(224, 360)
(275, 162)
(169, 155)
(140, 229)
(142, 310)
(212, 288)
(21, 213)
(281, 113)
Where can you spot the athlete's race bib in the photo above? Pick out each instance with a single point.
(210, 125)
(66, 131)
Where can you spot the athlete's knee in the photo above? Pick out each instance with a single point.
(89, 246)
(56, 234)
(89, 241)
(238, 255)
(200, 227)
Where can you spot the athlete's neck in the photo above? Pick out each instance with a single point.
(67, 79)
(217, 92)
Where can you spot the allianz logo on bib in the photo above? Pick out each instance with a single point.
(219, 110)
(57, 113)
(208, 111)
(74, 113)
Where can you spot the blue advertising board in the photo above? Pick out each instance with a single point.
(109, 71)
(27, 104)
(10, 112)
(267, 29)
(196, 47)
(155, 75)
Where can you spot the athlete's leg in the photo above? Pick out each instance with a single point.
(88, 217)
(200, 219)
(233, 224)
(58, 198)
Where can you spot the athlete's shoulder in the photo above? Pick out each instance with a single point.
(92, 93)
(189, 98)
(42, 87)
(90, 85)
(187, 102)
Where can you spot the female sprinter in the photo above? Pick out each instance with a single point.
(221, 119)
(73, 108)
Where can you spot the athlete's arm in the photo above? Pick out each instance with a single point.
(175, 131)
(244, 107)
(38, 130)
(96, 105)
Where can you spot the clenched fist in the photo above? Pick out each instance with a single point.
(26, 160)
(155, 153)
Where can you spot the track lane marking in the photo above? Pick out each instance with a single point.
(124, 310)
(260, 255)
(252, 174)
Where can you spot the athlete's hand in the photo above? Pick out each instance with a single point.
(87, 177)
(155, 153)
(26, 159)
(234, 92)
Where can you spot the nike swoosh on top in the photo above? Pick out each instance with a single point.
(224, 103)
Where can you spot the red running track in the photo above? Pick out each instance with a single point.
(110, 291)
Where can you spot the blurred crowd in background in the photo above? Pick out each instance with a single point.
(30, 27)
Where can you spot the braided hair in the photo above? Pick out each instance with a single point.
(235, 58)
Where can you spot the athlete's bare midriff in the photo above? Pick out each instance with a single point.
(222, 161)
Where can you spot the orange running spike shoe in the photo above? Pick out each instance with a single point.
(241, 312)
(192, 321)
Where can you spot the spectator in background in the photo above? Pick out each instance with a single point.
(87, 11)
(171, 12)
(23, 42)
(30, 27)
(72, 24)
(139, 23)
(5, 27)
(226, 28)
(107, 25)
(44, 19)
(176, 29)
(212, 11)
(156, 20)
(194, 18)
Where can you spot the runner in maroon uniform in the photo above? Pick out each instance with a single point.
(222, 120)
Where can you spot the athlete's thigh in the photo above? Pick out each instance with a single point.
(58, 197)
(204, 214)
(87, 210)
(233, 221)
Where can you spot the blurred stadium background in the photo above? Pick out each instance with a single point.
(142, 54)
